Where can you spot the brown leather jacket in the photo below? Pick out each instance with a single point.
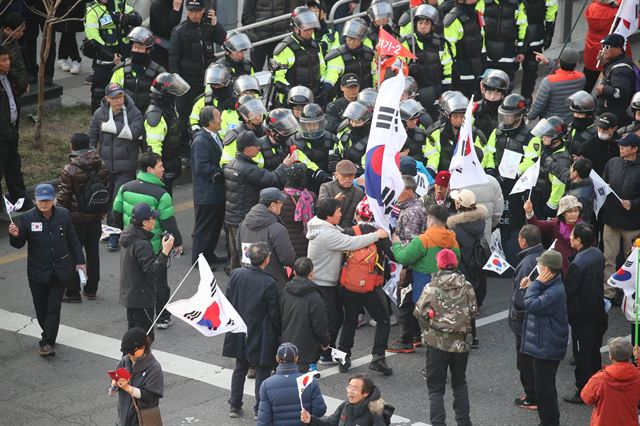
(73, 178)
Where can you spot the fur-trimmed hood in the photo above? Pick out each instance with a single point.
(376, 403)
(480, 213)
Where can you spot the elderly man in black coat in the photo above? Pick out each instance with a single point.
(208, 186)
(254, 295)
(585, 302)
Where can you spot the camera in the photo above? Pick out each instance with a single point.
(165, 235)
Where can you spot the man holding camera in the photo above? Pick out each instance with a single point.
(141, 268)
(148, 188)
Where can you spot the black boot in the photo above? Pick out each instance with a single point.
(379, 363)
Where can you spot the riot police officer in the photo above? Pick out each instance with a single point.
(218, 92)
(327, 37)
(297, 98)
(442, 136)
(466, 40)
(635, 110)
(299, 55)
(405, 25)
(353, 138)
(505, 29)
(352, 56)
(105, 26)
(410, 112)
(493, 86)
(281, 125)
(583, 106)
(236, 46)
(161, 123)
(136, 73)
(380, 14)
(252, 113)
(432, 68)
(350, 87)
(313, 144)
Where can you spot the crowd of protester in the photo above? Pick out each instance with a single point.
(277, 165)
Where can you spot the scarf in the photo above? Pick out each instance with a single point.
(565, 229)
(304, 206)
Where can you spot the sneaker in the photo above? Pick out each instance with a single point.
(523, 402)
(399, 347)
(373, 322)
(313, 366)
(88, 80)
(251, 373)
(63, 64)
(475, 344)
(72, 299)
(393, 320)
(75, 68)
(573, 399)
(113, 243)
(164, 324)
(362, 320)
(380, 364)
(46, 351)
(234, 412)
(89, 296)
(344, 368)
(326, 360)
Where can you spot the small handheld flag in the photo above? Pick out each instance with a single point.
(528, 179)
(12, 207)
(496, 263)
(304, 381)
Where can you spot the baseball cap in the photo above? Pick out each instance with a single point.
(246, 139)
(113, 89)
(620, 349)
(408, 166)
(613, 40)
(269, 195)
(287, 353)
(133, 339)
(45, 191)
(143, 212)
(346, 167)
(442, 178)
(630, 139)
(446, 259)
(349, 79)
(195, 5)
(465, 197)
(607, 120)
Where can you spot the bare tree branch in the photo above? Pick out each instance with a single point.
(36, 11)
(6, 7)
(69, 11)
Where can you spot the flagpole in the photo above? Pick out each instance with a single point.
(553, 244)
(413, 31)
(174, 293)
(637, 246)
(568, 39)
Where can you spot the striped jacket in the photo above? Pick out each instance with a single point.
(551, 98)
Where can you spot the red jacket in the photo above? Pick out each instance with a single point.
(599, 19)
(615, 392)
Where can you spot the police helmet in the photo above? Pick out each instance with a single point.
(358, 111)
(141, 35)
(246, 83)
(410, 87)
(510, 112)
(283, 122)
(237, 42)
(355, 28)
(380, 10)
(169, 84)
(312, 121)
(426, 11)
(445, 96)
(250, 107)
(368, 97)
(299, 95)
(496, 80)
(582, 101)
(552, 126)
(411, 109)
(635, 102)
(455, 103)
(304, 18)
(217, 74)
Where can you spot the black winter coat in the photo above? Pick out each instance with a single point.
(583, 287)
(206, 173)
(525, 266)
(304, 319)
(192, 48)
(469, 228)
(366, 413)
(584, 192)
(147, 376)
(254, 295)
(297, 233)
(624, 178)
(54, 248)
(139, 268)
(259, 10)
(619, 86)
(9, 133)
(243, 180)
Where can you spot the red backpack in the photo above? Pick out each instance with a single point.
(358, 272)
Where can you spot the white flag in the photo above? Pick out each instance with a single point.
(383, 180)
(12, 207)
(304, 381)
(108, 230)
(495, 245)
(627, 18)
(496, 263)
(528, 179)
(625, 277)
(391, 285)
(601, 189)
(509, 164)
(465, 166)
(208, 311)
(338, 356)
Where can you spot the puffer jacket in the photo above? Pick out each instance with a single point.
(296, 230)
(120, 155)
(279, 401)
(243, 180)
(258, 10)
(469, 228)
(584, 192)
(75, 175)
(262, 225)
(352, 196)
(546, 327)
(369, 412)
(527, 263)
(551, 97)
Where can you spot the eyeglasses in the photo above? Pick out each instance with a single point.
(353, 388)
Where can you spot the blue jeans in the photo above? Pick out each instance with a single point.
(420, 280)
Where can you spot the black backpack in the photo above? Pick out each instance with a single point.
(94, 197)
(479, 256)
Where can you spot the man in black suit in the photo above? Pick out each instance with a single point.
(208, 185)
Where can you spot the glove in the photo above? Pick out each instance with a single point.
(548, 34)
(282, 87)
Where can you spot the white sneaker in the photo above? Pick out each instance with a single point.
(63, 64)
(75, 67)
(372, 322)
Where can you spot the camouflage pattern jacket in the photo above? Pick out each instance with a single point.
(445, 310)
(412, 220)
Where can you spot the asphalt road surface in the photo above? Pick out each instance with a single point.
(71, 389)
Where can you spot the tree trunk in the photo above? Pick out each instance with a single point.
(45, 46)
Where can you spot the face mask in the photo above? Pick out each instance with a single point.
(491, 106)
(138, 58)
(582, 123)
(358, 132)
(539, 269)
(605, 136)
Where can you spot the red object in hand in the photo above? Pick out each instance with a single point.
(292, 149)
(120, 373)
(431, 314)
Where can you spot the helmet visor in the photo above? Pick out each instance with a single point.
(382, 10)
(246, 83)
(287, 126)
(217, 75)
(355, 28)
(312, 128)
(357, 111)
(508, 120)
(237, 42)
(178, 86)
(543, 128)
(252, 108)
(306, 20)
